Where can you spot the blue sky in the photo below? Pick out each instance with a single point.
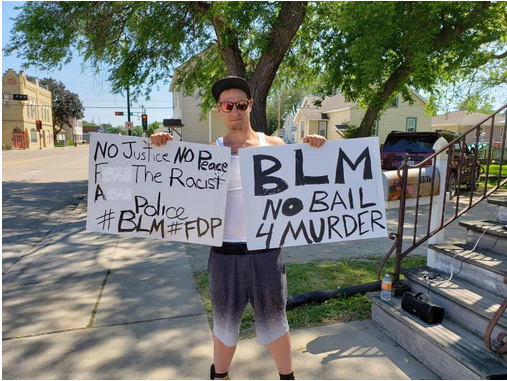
(94, 91)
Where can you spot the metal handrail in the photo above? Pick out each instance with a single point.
(501, 348)
(454, 173)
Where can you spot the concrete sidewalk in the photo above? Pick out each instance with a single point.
(92, 306)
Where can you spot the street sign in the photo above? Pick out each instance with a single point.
(20, 97)
(118, 113)
(129, 125)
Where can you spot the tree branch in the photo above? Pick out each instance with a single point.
(228, 42)
(449, 32)
(289, 20)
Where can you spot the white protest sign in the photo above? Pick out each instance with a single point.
(299, 195)
(176, 192)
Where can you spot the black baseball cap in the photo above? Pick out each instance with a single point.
(230, 82)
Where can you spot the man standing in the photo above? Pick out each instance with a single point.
(236, 274)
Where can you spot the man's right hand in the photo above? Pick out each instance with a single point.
(161, 138)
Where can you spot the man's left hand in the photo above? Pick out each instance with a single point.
(316, 141)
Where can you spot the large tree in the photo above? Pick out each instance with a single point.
(140, 43)
(371, 51)
(66, 104)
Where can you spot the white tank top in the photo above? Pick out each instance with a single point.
(234, 222)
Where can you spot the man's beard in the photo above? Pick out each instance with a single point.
(237, 127)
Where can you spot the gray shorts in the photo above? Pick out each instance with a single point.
(235, 279)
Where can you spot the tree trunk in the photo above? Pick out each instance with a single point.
(258, 117)
(290, 18)
(374, 109)
(366, 125)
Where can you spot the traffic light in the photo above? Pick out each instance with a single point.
(38, 124)
(118, 113)
(144, 119)
(20, 97)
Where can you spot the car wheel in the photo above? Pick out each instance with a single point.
(451, 187)
(469, 186)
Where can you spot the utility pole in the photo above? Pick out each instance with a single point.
(144, 112)
(128, 107)
(278, 115)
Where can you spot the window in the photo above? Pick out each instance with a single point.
(394, 102)
(481, 132)
(32, 110)
(27, 106)
(302, 130)
(323, 129)
(33, 135)
(411, 124)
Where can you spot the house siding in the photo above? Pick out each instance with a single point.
(194, 129)
(313, 127)
(395, 118)
(337, 118)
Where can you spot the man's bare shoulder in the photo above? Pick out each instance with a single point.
(274, 141)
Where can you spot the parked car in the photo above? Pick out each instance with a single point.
(419, 146)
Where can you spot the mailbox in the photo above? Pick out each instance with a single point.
(392, 184)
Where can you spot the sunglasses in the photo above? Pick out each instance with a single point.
(228, 106)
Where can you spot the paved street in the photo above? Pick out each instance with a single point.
(39, 189)
(98, 306)
(83, 305)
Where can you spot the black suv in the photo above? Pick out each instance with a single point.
(419, 146)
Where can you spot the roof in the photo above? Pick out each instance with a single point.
(90, 128)
(460, 118)
(289, 121)
(311, 112)
(336, 102)
(172, 123)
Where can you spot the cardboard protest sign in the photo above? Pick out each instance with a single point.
(176, 192)
(298, 195)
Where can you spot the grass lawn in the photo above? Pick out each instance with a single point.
(494, 170)
(305, 277)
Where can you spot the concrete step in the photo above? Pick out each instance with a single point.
(447, 349)
(468, 305)
(495, 238)
(501, 202)
(483, 268)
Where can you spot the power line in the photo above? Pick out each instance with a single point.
(90, 107)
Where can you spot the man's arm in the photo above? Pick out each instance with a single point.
(161, 138)
(315, 140)
(274, 141)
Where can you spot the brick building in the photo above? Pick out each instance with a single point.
(18, 117)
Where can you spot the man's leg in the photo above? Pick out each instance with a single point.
(222, 356)
(268, 296)
(281, 352)
(228, 299)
